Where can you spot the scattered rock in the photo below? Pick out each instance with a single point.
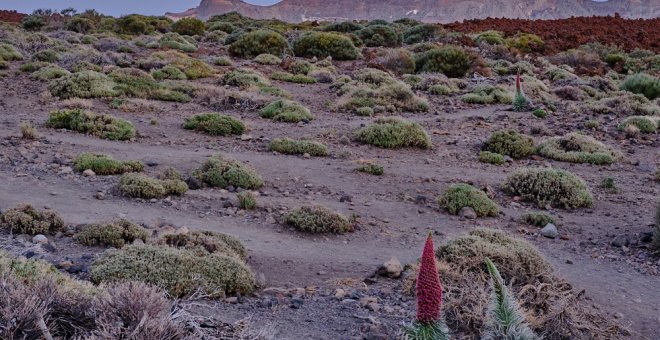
(467, 213)
(340, 293)
(621, 241)
(100, 195)
(391, 268)
(39, 239)
(346, 198)
(296, 303)
(550, 231)
(89, 173)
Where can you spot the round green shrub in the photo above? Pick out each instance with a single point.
(252, 44)
(491, 157)
(343, 27)
(463, 195)
(267, 59)
(298, 147)
(558, 188)
(105, 165)
(526, 42)
(189, 26)
(394, 132)
(642, 83)
(214, 124)
(287, 111)
(577, 148)
(104, 126)
(115, 234)
(511, 143)
(317, 219)
(220, 172)
(420, 33)
(452, 61)
(25, 219)
(645, 124)
(142, 186)
(325, 44)
(86, 84)
(537, 219)
(489, 37)
(380, 35)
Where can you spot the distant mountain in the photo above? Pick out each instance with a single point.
(442, 11)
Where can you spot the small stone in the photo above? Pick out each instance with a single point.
(367, 300)
(99, 196)
(231, 300)
(65, 170)
(194, 183)
(89, 173)
(271, 220)
(391, 268)
(621, 241)
(550, 231)
(246, 137)
(306, 155)
(467, 213)
(296, 303)
(340, 293)
(346, 198)
(569, 261)
(39, 239)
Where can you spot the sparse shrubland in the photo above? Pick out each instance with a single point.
(298, 147)
(103, 126)
(394, 132)
(462, 195)
(105, 165)
(317, 219)
(557, 188)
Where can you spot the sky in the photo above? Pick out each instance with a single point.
(113, 7)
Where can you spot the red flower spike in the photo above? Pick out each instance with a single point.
(429, 289)
(518, 82)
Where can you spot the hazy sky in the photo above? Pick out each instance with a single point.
(113, 7)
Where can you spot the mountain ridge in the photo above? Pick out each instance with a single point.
(436, 11)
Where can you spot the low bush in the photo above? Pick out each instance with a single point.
(189, 26)
(642, 83)
(204, 241)
(452, 61)
(28, 131)
(137, 83)
(86, 84)
(372, 169)
(179, 271)
(192, 67)
(526, 43)
(220, 172)
(267, 59)
(344, 27)
(421, 33)
(540, 113)
(380, 35)
(644, 124)
(293, 78)
(25, 219)
(489, 37)
(175, 41)
(317, 219)
(247, 200)
(214, 124)
(169, 72)
(394, 132)
(510, 143)
(463, 195)
(104, 126)
(222, 61)
(298, 147)
(399, 61)
(537, 219)
(142, 186)
(558, 188)
(49, 72)
(105, 165)
(9, 53)
(577, 148)
(244, 77)
(252, 44)
(287, 111)
(488, 94)
(623, 104)
(114, 234)
(374, 88)
(324, 44)
(491, 157)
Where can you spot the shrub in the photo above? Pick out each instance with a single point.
(105, 165)
(287, 111)
(33, 23)
(540, 113)
(247, 200)
(132, 24)
(420, 33)
(380, 35)
(487, 94)
(48, 56)
(452, 61)
(189, 26)
(373, 88)
(293, 78)
(137, 83)
(104, 126)
(181, 272)
(267, 59)
(491, 157)
(463, 195)
(372, 169)
(489, 37)
(192, 67)
(222, 61)
(577, 148)
(49, 72)
(549, 186)
(394, 132)
(526, 43)
(175, 41)
(642, 83)
(624, 104)
(399, 61)
(317, 219)
(252, 44)
(322, 45)
(537, 219)
(9, 53)
(114, 234)
(169, 72)
(34, 66)
(244, 77)
(204, 241)
(298, 147)
(143, 186)
(645, 124)
(344, 27)
(364, 111)
(25, 219)
(80, 25)
(28, 131)
(510, 143)
(86, 84)
(220, 172)
(214, 124)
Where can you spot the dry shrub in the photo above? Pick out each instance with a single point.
(77, 103)
(553, 308)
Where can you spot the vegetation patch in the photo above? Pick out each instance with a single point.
(9, 53)
(553, 187)
(25, 219)
(85, 84)
(244, 78)
(214, 124)
(623, 104)
(114, 234)
(537, 219)
(169, 72)
(644, 124)
(290, 146)
(143, 186)
(247, 200)
(317, 219)
(49, 72)
(325, 44)
(491, 157)
(510, 143)
(293, 78)
(577, 148)
(267, 59)
(380, 35)
(220, 172)
(642, 83)
(463, 195)
(488, 94)
(105, 165)
(372, 169)
(137, 83)
(451, 61)
(287, 111)
(104, 126)
(204, 241)
(252, 44)
(394, 132)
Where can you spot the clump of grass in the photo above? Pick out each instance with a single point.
(293, 78)
(175, 41)
(220, 172)
(180, 272)
(577, 148)
(488, 94)
(623, 104)
(9, 53)
(104, 126)
(463, 195)
(644, 124)
(105, 164)
(85, 84)
(317, 219)
(28, 131)
(192, 67)
(608, 184)
(288, 111)
(394, 132)
(142, 186)
(537, 219)
(25, 219)
(511, 143)
(540, 113)
(290, 146)
(558, 188)
(491, 157)
(267, 59)
(114, 234)
(247, 200)
(372, 169)
(137, 83)
(215, 124)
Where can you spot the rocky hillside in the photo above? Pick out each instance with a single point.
(425, 10)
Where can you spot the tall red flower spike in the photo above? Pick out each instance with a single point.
(518, 82)
(429, 289)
